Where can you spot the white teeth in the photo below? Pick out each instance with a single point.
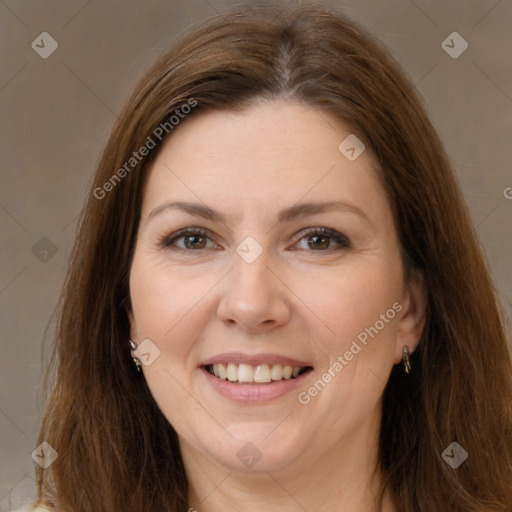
(277, 372)
(232, 372)
(246, 373)
(261, 373)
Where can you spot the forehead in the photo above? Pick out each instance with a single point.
(272, 154)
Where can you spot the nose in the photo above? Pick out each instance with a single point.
(254, 296)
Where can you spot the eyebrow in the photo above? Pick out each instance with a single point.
(286, 215)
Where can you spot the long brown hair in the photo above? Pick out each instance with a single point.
(116, 450)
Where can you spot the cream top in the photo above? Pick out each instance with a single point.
(30, 508)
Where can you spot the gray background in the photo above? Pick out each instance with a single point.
(57, 112)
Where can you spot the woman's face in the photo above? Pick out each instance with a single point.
(255, 290)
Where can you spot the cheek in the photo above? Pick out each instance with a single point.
(164, 301)
(359, 313)
(174, 394)
(361, 309)
(165, 306)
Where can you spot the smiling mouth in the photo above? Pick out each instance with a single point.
(260, 374)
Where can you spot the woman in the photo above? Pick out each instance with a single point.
(276, 299)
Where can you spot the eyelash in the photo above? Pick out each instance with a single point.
(168, 241)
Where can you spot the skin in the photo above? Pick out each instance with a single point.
(303, 297)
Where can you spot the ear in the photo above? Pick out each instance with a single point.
(413, 315)
(133, 324)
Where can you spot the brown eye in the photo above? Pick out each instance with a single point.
(193, 239)
(321, 239)
(196, 242)
(319, 242)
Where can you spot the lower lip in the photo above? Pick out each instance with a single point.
(254, 393)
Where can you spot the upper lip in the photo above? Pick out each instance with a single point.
(254, 360)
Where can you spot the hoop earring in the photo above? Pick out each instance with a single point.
(406, 360)
(135, 360)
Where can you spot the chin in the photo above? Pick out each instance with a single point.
(257, 450)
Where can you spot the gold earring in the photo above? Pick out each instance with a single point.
(135, 360)
(405, 359)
